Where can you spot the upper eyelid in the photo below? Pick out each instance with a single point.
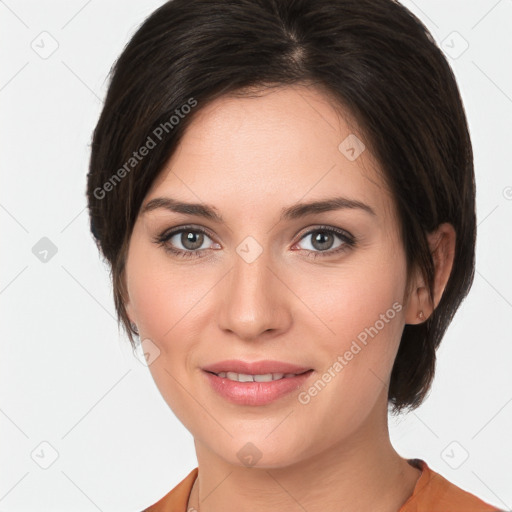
(174, 231)
(323, 227)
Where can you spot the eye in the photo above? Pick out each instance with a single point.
(191, 239)
(323, 240)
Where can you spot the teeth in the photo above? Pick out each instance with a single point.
(244, 377)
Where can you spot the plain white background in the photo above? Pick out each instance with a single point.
(83, 426)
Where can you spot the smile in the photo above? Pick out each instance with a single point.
(245, 377)
(256, 389)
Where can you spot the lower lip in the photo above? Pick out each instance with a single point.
(256, 393)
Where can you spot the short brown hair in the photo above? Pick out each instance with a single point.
(376, 59)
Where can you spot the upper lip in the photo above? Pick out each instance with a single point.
(255, 367)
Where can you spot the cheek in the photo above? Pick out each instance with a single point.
(154, 300)
(166, 299)
(374, 317)
(354, 298)
(364, 316)
(164, 295)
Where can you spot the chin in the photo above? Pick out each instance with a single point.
(259, 452)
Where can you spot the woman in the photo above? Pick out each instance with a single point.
(284, 190)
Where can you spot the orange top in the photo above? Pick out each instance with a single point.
(432, 493)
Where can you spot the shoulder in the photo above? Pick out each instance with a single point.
(175, 500)
(434, 493)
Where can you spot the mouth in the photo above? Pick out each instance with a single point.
(255, 383)
(263, 367)
(262, 377)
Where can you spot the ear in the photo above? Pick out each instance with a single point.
(442, 247)
(125, 296)
(132, 318)
(129, 312)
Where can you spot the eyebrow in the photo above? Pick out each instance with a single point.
(289, 213)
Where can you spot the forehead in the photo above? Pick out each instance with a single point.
(272, 149)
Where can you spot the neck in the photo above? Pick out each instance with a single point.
(360, 474)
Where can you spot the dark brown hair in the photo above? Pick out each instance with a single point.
(374, 57)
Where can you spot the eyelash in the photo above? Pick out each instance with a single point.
(162, 239)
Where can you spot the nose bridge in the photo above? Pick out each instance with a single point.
(253, 302)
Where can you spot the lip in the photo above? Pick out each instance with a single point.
(255, 393)
(255, 367)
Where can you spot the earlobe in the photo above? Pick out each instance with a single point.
(130, 315)
(419, 307)
(134, 327)
(125, 297)
(133, 324)
(442, 247)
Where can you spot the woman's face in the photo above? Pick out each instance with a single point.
(268, 285)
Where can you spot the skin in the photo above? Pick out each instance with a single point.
(251, 157)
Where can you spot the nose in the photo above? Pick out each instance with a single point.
(254, 301)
